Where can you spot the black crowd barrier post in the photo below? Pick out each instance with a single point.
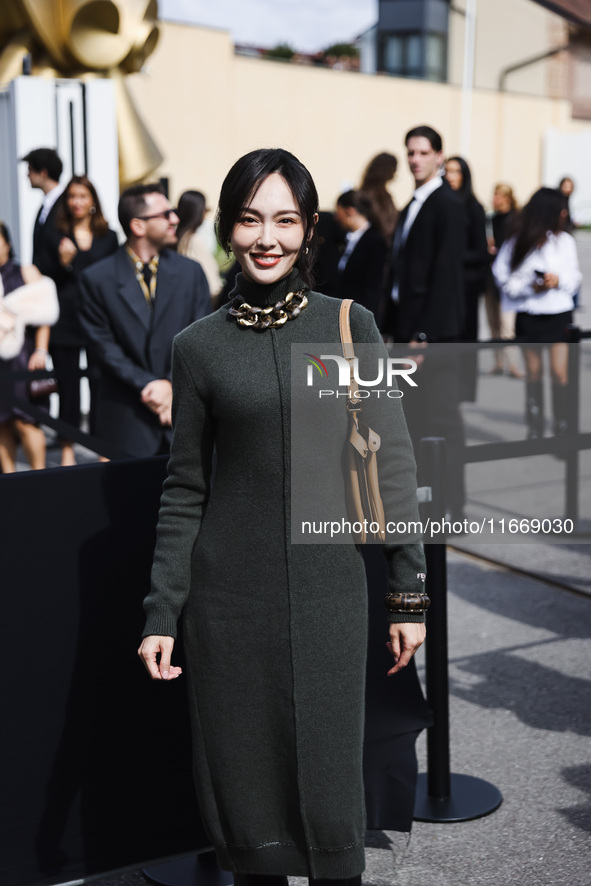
(571, 505)
(443, 796)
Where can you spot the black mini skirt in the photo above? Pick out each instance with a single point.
(542, 328)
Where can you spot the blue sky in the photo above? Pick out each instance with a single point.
(307, 25)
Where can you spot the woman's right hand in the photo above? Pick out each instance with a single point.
(67, 251)
(153, 646)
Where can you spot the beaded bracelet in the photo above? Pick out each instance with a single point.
(415, 603)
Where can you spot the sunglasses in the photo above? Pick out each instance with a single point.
(166, 213)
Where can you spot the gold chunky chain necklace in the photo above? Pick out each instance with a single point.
(266, 318)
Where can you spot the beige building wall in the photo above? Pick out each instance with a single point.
(206, 106)
(507, 33)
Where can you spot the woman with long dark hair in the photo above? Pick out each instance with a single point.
(380, 170)
(459, 178)
(274, 631)
(191, 212)
(81, 238)
(538, 273)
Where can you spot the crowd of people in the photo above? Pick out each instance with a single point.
(421, 272)
(121, 304)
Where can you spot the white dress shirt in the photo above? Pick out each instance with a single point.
(557, 256)
(48, 201)
(420, 195)
(353, 238)
(419, 198)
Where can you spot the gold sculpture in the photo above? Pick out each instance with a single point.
(82, 39)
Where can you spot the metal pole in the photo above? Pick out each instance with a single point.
(573, 391)
(441, 796)
(468, 78)
(432, 461)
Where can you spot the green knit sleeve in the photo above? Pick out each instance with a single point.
(397, 476)
(184, 497)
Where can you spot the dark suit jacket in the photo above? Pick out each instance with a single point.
(429, 269)
(44, 256)
(132, 343)
(362, 278)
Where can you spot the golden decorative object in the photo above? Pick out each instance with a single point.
(75, 38)
(271, 317)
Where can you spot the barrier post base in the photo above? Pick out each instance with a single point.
(193, 870)
(469, 798)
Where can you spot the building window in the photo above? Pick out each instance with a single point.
(435, 57)
(415, 55)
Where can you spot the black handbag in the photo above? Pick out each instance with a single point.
(42, 387)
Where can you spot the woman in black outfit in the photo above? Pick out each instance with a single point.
(476, 259)
(81, 238)
(457, 173)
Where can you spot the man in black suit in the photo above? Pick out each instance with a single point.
(425, 302)
(361, 267)
(44, 171)
(426, 285)
(133, 304)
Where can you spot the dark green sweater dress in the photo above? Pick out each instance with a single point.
(274, 632)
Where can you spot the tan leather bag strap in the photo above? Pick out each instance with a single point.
(353, 400)
(345, 329)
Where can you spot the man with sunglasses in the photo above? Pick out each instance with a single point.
(133, 304)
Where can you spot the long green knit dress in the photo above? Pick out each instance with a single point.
(274, 632)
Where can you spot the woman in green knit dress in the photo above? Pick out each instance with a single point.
(274, 632)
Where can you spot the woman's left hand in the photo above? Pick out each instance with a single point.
(404, 641)
(550, 281)
(36, 361)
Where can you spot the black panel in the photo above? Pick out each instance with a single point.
(96, 761)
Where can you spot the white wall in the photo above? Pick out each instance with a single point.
(36, 112)
(567, 154)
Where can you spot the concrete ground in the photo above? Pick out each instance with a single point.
(520, 709)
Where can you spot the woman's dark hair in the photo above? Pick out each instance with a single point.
(465, 192)
(5, 234)
(356, 200)
(63, 218)
(191, 212)
(242, 183)
(543, 215)
(379, 171)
